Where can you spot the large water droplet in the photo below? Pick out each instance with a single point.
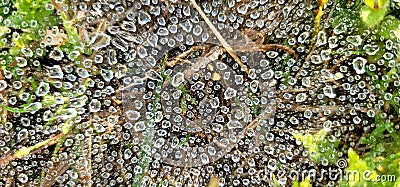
(42, 89)
(328, 91)
(229, 93)
(359, 65)
(140, 126)
(82, 72)
(371, 49)
(22, 134)
(78, 102)
(177, 79)
(21, 62)
(132, 115)
(22, 178)
(316, 59)
(153, 75)
(321, 38)
(33, 107)
(94, 105)
(301, 97)
(68, 113)
(99, 41)
(3, 85)
(143, 18)
(162, 32)
(128, 26)
(355, 40)
(107, 74)
(341, 28)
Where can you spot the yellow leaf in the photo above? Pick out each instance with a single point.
(353, 156)
(376, 4)
(214, 182)
(305, 182)
(3, 30)
(22, 152)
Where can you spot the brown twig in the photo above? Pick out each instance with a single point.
(219, 36)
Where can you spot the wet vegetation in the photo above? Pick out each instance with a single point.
(199, 93)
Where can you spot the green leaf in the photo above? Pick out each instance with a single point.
(275, 181)
(388, 25)
(372, 17)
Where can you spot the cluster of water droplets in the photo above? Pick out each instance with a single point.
(141, 113)
(196, 97)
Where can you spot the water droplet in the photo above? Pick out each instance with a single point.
(153, 75)
(42, 89)
(303, 37)
(78, 102)
(341, 28)
(143, 18)
(82, 72)
(120, 44)
(162, 32)
(33, 107)
(22, 134)
(132, 115)
(316, 59)
(272, 54)
(197, 30)
(56, 54)
(229, 93)
(293, 120)
(47, 115)
(301, 97)
(204, 158)
(308, 114)
(22, 178)
(25, 121)
(140, 126)
(107, 74)
(68, 113)
(128, 26)
(127, 154)
(198, 86)
(177, 79)
(328, 91)
(142, 52)
(99, 41)
(359, 65)
(321, 38)
(94, 105)
(214, 102)
(355, 40)
(3, 85)
(21, 62)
